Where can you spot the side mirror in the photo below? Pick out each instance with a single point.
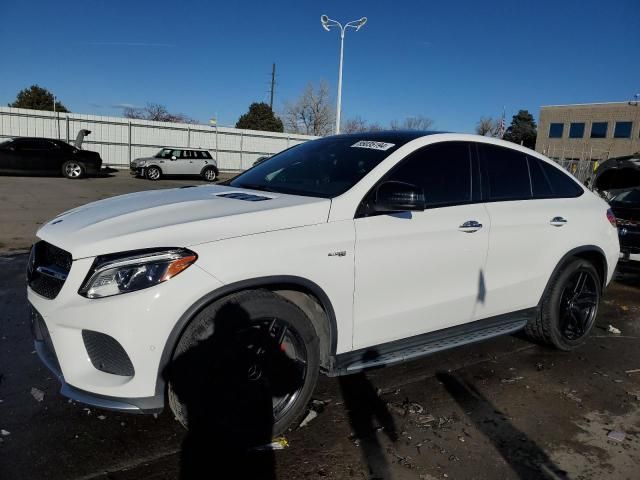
(398, 197)
(174, 157)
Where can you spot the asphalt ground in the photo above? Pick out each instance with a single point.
(502, 409)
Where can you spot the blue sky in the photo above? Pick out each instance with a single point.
(451, 61)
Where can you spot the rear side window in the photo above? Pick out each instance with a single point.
(206, 155)
(507, 172)
(443, 170)
(562, 183)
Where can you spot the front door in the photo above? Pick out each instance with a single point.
(171, 164)
(417, 272)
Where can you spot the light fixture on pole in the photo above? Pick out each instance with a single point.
(327, 24)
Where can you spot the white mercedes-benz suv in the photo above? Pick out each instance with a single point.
(337, 255)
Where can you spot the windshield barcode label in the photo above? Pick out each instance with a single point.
(373, 145)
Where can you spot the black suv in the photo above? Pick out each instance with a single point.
(46, 156)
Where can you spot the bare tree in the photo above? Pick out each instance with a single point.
(412, 123)
(487, 127)
(358, 124)
(312, 113)
(157, 112)
(354, 125)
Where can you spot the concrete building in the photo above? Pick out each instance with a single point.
(591, 131)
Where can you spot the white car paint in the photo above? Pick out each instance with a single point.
(387, 277)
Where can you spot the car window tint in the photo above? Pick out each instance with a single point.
(33, 144)
(507, 172)
(176, 153)
(540, 184)
(206, 155)
(562, 183)
(443, 170)
(186, 154)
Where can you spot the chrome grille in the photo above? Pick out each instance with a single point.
(47, 269)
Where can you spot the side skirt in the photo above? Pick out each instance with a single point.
(421, 345)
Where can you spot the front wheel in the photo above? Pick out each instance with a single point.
(245, 366)
(72, 169)
(569, 306)
(209, 174)
(153, 173)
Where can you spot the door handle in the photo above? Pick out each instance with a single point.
(470, 226)
(558, 221)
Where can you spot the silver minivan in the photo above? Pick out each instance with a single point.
(176, 161)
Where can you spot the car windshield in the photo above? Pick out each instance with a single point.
(629, 197)
(323, 168)
(164, 153)
(5, 142)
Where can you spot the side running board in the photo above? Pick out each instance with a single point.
(432, 342)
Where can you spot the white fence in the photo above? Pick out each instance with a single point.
(120, 140)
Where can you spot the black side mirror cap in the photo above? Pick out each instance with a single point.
(393, 196)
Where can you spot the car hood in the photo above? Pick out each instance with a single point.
(143, 159)
(178, 217)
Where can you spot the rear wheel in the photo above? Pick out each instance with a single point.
(569, 306)
(246, 364)
(153, 173)
(72, 169)
(209, 174)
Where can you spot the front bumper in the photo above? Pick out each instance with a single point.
(45, 350)
(140, 322)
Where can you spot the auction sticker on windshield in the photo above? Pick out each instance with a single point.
(373, 145)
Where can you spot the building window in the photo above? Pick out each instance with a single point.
(599, 130)
(555, 130)
(622, 130)
(576, 130)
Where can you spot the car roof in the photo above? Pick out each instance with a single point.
(392, 136)
(186, 148)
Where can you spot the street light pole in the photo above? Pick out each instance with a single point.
(339, 106)
(327, 23)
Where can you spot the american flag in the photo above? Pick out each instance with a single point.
(501, 127)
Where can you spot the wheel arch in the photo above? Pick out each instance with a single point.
(592, 253)
(307, 295)
(153, 165)
(210, 166)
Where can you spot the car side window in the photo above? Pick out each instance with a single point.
(206, 155)
(507, 173)
(186, 154)
(36, 145)
(563, 185)
(443, 170)
(540, 184)
(176, 153)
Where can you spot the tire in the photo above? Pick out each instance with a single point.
(209, 174)
(222, 367)
(73, 170)
(153, 173)
(569, 306)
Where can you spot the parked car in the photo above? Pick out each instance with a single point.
(47, 156)
(342, 254)
(176, 161)
(618, 180)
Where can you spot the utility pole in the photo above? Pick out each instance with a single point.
(273, 84)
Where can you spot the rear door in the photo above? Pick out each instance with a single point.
(417, 272)
(533, 224)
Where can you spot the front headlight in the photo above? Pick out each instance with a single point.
(131, 271)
